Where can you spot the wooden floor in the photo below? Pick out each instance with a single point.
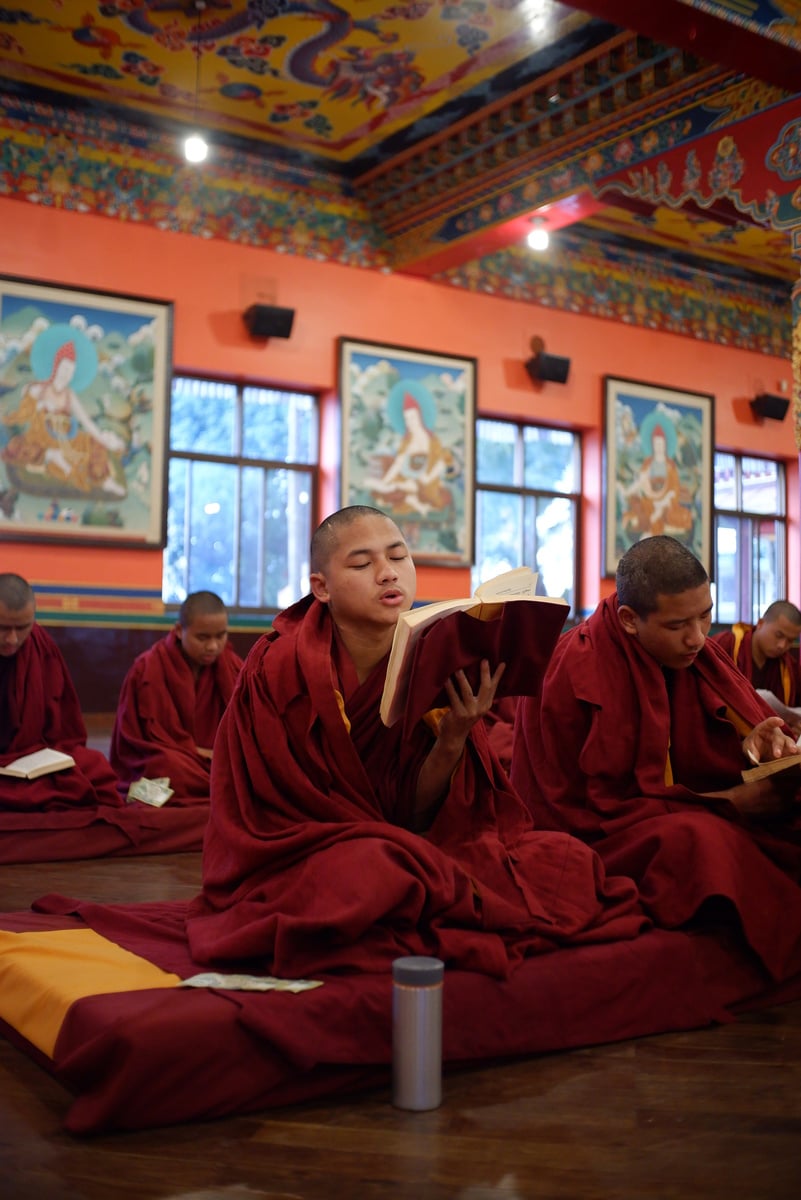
(714, 1113)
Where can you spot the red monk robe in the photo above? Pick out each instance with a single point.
(43, 710)
(164, 714)
(307, 865)
(618, 751)
(782, 676)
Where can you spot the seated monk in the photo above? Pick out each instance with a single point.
(765, 655)
(637, 743)
(172, 700)
(39, 708)
(335, 842)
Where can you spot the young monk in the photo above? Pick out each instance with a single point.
(335, 843)
(39, 708)
(172, 700)
(765, 655)
(637, 744)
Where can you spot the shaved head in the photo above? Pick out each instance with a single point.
(328, 532)
(656, 566)
(15, 592)
(200, 604)
(782, 608)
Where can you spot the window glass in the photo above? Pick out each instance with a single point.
(203, 416)
(279, 426)
(236, 524)
(522, 515)
(760, 484)
(556, 550)
(727, 587)
(550, 459)
(750, 537)
(496, 443)
(212, 519)
(499, 534)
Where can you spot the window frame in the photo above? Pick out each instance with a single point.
(528, 494)
(241, 462)
(749, 604)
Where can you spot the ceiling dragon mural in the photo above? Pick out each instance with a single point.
(425, 135)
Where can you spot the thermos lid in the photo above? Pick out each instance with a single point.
(418, 970)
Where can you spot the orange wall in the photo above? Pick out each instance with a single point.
(211, 283)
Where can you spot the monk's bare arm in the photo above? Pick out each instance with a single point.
(454, 729)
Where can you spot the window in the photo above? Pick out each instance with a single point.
(750, 537)
(242, 488)
(527, 492)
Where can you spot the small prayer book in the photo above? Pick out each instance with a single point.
(42, 762)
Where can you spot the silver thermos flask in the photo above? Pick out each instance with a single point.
(417, 1032)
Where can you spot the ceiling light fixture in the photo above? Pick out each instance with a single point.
(196, 147)
(538, 239)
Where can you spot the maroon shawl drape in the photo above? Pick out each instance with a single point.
(163, 714)
(44, 711)
(590, 757)
(308, 867)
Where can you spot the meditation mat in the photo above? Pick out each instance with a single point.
(93, 993)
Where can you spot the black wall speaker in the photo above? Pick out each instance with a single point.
(548, 367)
(266, 320)
(772, 407)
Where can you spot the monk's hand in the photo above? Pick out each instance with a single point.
(766, 741)
(204, 751)
(465, 707)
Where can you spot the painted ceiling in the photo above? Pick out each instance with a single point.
(452, 125)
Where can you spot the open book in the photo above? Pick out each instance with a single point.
(792, 716)
(505, 621)
(41, 762)
(788, 763)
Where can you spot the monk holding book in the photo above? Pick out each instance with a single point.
(638, 745)
(337, 842)
(39, 710)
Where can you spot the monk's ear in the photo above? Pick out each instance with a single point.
(319, 587)
(628, 619)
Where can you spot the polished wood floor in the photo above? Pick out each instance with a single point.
(714, 1113)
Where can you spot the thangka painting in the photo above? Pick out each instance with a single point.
(408, 444)
(84, 402)
(658, 478)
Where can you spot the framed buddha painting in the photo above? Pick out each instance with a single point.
(658, 468)
(84, 409)
(408, 444)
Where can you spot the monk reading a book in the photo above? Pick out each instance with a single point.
(766, 654)
(171, 702)
(337, 842)
(39, 708)
(638, 745)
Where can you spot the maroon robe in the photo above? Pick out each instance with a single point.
(76, 813)
(44, 710)
(164, 713)
(308, 864)
(782, 676)
(594, 756)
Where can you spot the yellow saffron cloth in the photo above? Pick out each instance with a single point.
(43, 973)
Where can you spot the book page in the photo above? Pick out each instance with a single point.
(41, 762)
(520, 581)
(791, 716)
